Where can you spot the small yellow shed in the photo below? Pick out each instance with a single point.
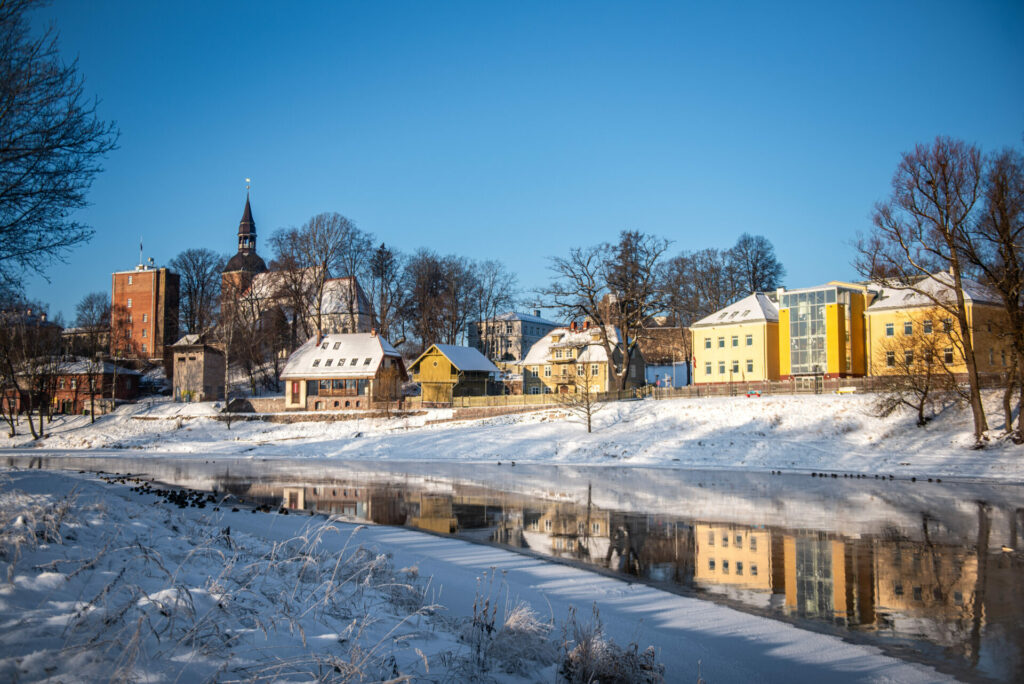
(444, 371)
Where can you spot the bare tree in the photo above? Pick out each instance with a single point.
(696, 284)
(51, 143)
(459, 290)
(582, 401)
(387, 292)
(995, 249)
(495, 293)
(425, 283)
(613, 286)
(199, 269)
(93, 318)
(754, 264)
(914, 370)
(919, 233)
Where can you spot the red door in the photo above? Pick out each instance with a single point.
(295, 391)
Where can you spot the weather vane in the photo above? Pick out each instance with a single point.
(247, 182)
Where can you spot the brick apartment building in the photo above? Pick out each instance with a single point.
(144, 313)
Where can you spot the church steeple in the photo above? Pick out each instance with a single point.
(247, 230)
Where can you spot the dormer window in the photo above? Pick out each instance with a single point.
(354, 362)
(328, 362)
(341, 362)
(367, 361)
(337, 346)
(325, 345)
(316, 362)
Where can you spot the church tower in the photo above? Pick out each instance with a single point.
(243, 266)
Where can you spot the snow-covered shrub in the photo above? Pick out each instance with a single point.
(588, 656)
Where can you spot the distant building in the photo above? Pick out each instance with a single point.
(144, 313)
(343, 371)
(344, 307)
(574, 356)
(667, 354)
(445, 371)
(74, 386)
(198, 370)
(79, 341)
(508, 337)
(739, 343)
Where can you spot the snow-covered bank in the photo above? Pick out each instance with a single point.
(805, 432)
(226, 592)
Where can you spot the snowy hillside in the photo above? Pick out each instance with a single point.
(807, 432)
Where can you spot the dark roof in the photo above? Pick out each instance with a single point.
(247, 226)
(249, 262)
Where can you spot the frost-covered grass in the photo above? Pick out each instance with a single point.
(803, 432)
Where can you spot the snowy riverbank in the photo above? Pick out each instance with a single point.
(102, 580)
(790, 433)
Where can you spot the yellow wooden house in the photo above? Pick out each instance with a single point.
(445, 371)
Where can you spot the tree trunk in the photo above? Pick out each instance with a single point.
(980, 424)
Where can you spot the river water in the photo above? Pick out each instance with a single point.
(928, 570)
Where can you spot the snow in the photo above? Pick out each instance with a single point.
(466, 358)
(127, 585)
(754, 308)
(937, 287)
(586, 338)
(366, 349)
(834, 433)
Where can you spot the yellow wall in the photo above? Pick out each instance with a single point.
(759, 558)
(763, 351)
(785, 367)
(435, 375)
(835, 338)
(858, 336)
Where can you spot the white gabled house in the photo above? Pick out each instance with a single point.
(343, 371)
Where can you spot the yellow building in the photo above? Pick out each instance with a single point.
(822, 332)
(739, 343)
(570, 359)
(904, 326)
(733, 555)
(446, 370)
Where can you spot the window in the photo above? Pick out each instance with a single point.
(721, 367)
(547, 371)
(580, 371)
(707, 343)
(145, 318)
(535, 390)
(918, 594)
(889, 330)
(60, 383)
(707, 368)
(947, 355)
(991, 357)
(129, 318)
(595, 370)
(897, 588)
(316, 362)
(367, 361)
(739, 541)
(735, 366)
(711, 538)
(565, 371)
(341, 362)
(595, 528)
(353, 362)
(144, 347)
(547, 525)
(735, 340)
(74, 383)
(129, 302)
(143, 332)
(739, 567)
(750, 365)
(568, 353)
(753, 547)
(337, 345)
(753, 569)
(908, 357)
(1002, 354)
(711, 564)
(547, 390)
(908, 327)
(725, 541)
(947, 325)
(558, 353)
(725, 567)
(128, 333)
(325, 345)
(750, 340)
(328, 362)
(927, 326)
(721, 342)
(129, 280)
(890, 359)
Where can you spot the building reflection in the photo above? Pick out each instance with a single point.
(956, 588)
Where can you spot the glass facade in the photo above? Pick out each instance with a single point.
(807, 352)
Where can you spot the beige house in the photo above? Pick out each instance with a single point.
(508, 337)
(569, 358)
(739, 343)
(343, 372)
(198, 370)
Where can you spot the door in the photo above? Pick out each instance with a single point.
(295, 392)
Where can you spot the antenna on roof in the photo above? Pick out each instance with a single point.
(141, 262)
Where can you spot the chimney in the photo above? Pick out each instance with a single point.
(373, 332)
(572, 326)
(586, 324)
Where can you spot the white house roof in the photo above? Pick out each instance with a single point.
(352, 355)
(526, 318)
(467, 358)
(79, 366)
(589, 338)
(937, 286)
(755, 308)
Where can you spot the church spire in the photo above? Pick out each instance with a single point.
(247, 229)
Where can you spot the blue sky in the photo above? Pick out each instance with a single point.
(518, 130)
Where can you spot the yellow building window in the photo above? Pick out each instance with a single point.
(735, 340)
(595, 369)
(707, 343)
(750, 340)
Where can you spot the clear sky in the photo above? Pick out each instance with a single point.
(518, 130)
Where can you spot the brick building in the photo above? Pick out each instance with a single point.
(144, 313)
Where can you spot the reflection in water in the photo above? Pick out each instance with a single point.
(935, 569)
